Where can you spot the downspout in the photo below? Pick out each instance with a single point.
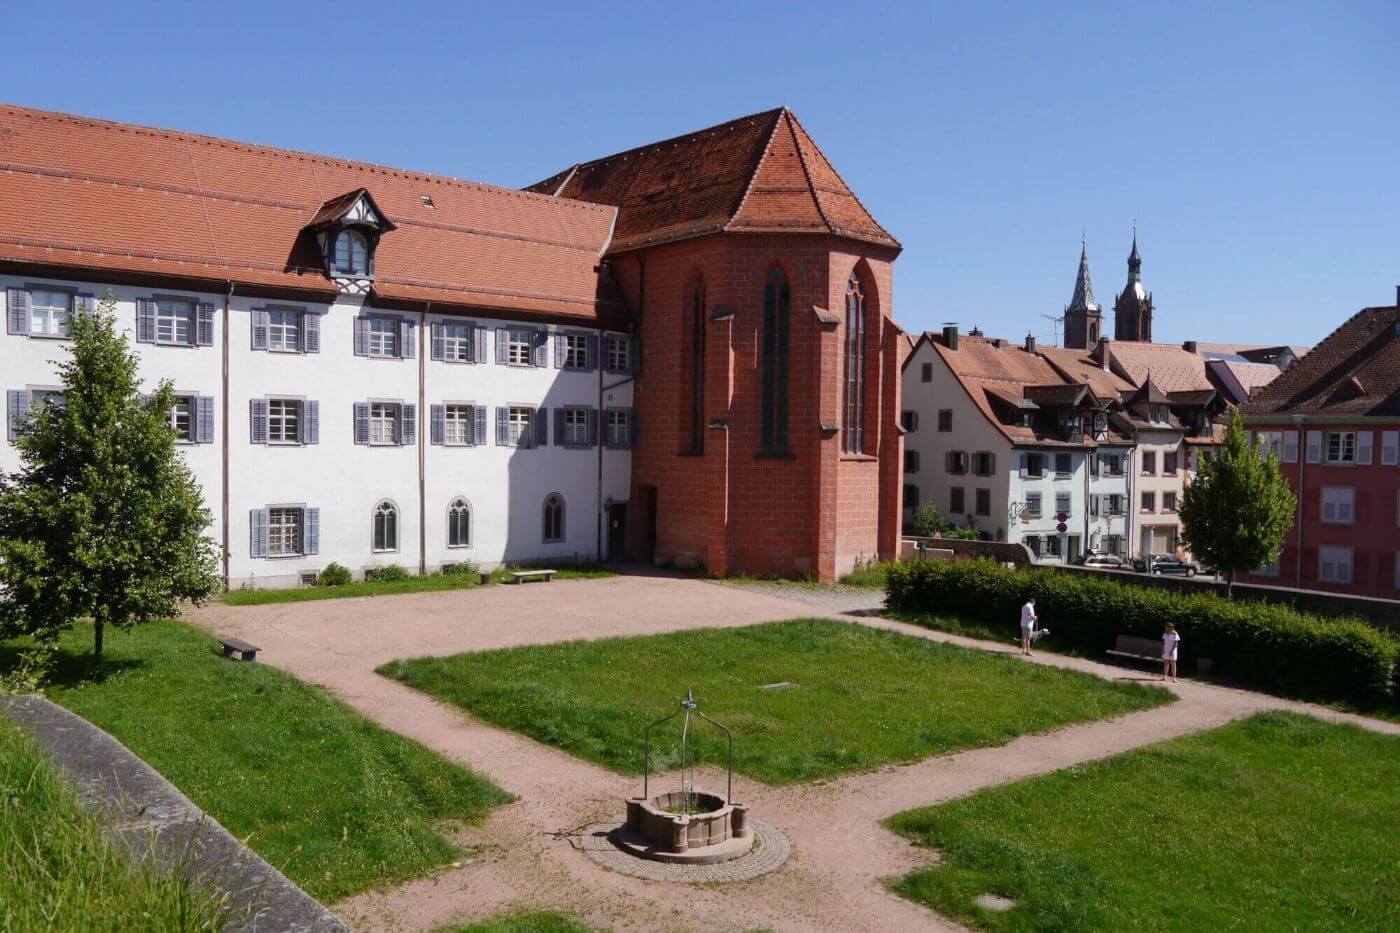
(602, 443)
(1300, 421)
(223, 505)
(422, 444)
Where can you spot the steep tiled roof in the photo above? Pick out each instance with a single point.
(1241, 378)
(90, 194)
(1353, 372)
(757, 174)
(1172, 368)
(1080, 366)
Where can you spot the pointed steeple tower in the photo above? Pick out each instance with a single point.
(1132, 309)
(1083, 317)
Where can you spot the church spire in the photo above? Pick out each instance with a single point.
(1134, 260)
(1083, 299)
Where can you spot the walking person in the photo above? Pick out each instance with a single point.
(1028, 620)
(1171, 642)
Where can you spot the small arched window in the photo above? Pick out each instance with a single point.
(853, 394)
(351, 253)
(386, 527)
(777, 306)
(553, 518)
(1093, 333)
(459, 523)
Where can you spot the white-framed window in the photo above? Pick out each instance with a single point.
(283, 421)
(1149, 463)
(575, 427)
(575, 351)
(182, 418)
(1033, 504)
(1341, 446)
(383, 337)
(459, 523)
(1168, 502)
(1338, 505)
(457, 343)
(619, 353)
(457, 425)
(383, 423)
(351, 253)
(619, 431)
(284, 327)
(1115, 504)
(174, 321)
(284, 532)
(50, 312)
(521, 429)
(1334, 564)
(1149, 502)
(1269, 442)
(553, 518)
(386, 527)
(520, 348)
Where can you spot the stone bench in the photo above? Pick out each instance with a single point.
(1138, 649)
(525, 576)
(245, 651)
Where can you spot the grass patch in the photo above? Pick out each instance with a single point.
(336, 802)
(1280, 822)
(58, 871)
(864, 697)
(872, 575)
(531, 921)
(426, 584)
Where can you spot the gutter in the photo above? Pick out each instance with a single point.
(224, 497)
(422, 442)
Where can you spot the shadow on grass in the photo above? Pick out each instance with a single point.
(69, 668)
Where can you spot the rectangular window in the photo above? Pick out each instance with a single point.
(284, 330)
(575, 427)
(945, 419)
(575, 351)
(1334, 564)
(174, 321)
(521, 431)
(1168, 502)
(457, 343)
(1338, 505)
(909, 421)
(911, 496)
(618, 361)
(50, 312)
(957, 501)
(1149, 463)
(1035, 465)
(1033, 504)
(284, 532)
(1115, 505)
(1113, 544)
(1052, 545)
(1061, 504)
(957, 462)
(283, 421)
(983, 463)
(1269, 442)
(984, 502)
(384, 337)
(1149, 502)
(1341, 447)
(619, 431)
(383, 423)
(1064, 465)
(926, 373)
(182, 418)
(1113, 464)
(457, 425)
(519, 349)
(1032, 542)
(1169, 459)
(911, 461)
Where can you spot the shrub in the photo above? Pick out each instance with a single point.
(465, 569)
(389, 573)
(334, 575)
(1269, 646)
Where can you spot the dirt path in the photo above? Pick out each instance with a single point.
(841, 852)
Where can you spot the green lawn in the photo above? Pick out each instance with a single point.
(864, 697)
(1280, 822)
(58, 872)
(533, 921)
(339, 804)
(426, 584)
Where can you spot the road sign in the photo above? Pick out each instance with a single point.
(1062, 518)
(1062, 528)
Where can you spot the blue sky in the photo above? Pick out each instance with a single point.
(1258, 152)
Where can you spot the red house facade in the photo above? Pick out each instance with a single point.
(768, 391)
(1334, 421)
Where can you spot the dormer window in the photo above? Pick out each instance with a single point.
(351, 254)
(1158, 414)
(348, 229)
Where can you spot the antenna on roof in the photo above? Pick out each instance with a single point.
(1054, 320)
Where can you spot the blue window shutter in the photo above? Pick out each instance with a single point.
(362, 422)
(311, 531)
(502, 427)
(540, 422)
(17, 318)
(479, 340)
(260, 325)
(406, 348)
(561, 350)
(257, 532)
(204, 420)
(310, 422)
(634, 424)
(17, 402)
(408, 424)
(502, 345)
(592, 427)
(438, 351)
(84, 303)
(634, 353)
(310, 332)
(437, 424)
(145, 320)
(592, 362)
(559, 427)
(204, 324)
(362, 336)
(541, 347)
(479, 425)
(257, 420)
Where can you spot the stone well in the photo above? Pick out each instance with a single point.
(713, 831)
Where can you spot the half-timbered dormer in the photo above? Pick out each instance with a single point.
(348, 228)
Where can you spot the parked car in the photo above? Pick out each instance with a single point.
(1102, 561)
(1166, 563)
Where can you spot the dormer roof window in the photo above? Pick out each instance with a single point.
(350, 254)
(348, 228)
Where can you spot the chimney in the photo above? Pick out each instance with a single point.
(1397, 296)
(950, 336)
(1030, 344)
(1191, 346)
(1105, 354)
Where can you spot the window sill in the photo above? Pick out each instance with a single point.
(864, 458)
(49, 336)
(283, 556)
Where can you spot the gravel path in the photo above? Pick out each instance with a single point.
(528, 853)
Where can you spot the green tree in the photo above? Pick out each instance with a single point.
(1237, 510)
(928, 521)
(103, 518)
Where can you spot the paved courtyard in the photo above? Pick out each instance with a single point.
(530, 853)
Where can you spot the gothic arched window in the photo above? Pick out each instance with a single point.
(386, 526)
(777, 307)
(351, 253)
(853, 388)
(459, 523)
(553, 518)
(694, 366)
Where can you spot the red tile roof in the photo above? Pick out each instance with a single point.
(91, 194)
(1080, 366)
(757, 174)
(1172, 368)
(1353, 372)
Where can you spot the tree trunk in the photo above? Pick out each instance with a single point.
(97, 641)
(1230, 585)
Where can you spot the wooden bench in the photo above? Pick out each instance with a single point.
(525, 576)
(245, 651)
(1139, 649)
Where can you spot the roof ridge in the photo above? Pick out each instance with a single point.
(314, 158)
(674, 139)
(806, 171)
(837, 172)
(757, 167)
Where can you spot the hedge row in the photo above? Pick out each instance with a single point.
(1269, 646)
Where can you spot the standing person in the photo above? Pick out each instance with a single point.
(1028, 620)
(1171, 642)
